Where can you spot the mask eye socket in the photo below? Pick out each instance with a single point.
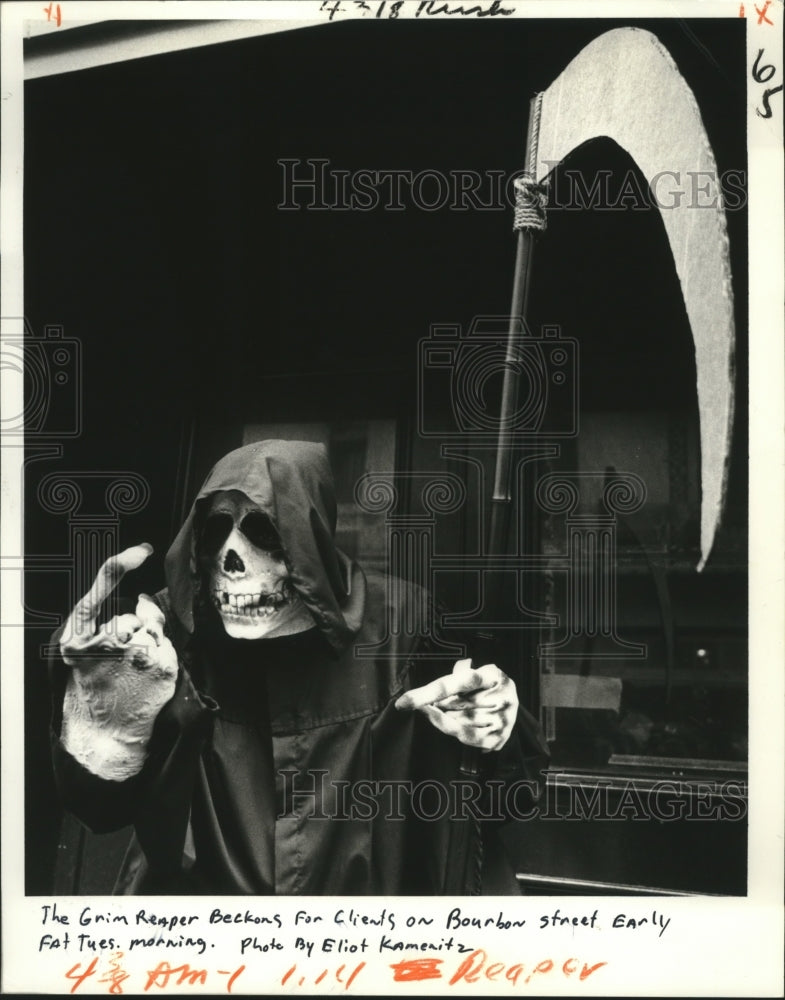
(214, 533)
(258, 529)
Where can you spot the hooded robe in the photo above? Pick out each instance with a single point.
(281, 765)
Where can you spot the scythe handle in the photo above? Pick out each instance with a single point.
(518, 310)
(520, 296)
(501, 499)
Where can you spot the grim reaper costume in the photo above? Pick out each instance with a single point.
(245, 781)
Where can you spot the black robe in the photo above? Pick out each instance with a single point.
(281, 765)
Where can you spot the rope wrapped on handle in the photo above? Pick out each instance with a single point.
(531, 200)
(531, 196)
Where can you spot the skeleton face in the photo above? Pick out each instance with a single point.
(242, 560)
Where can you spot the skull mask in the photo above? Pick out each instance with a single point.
(245, 571)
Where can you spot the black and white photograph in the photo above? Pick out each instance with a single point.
(392, 486)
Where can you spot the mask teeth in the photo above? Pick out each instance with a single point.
(250, 605)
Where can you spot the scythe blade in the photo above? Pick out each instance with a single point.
(625, 86)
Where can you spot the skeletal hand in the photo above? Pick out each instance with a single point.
(477, 707)
(123, 673)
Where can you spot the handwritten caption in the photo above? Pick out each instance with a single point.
(153, 947)
(392, 9)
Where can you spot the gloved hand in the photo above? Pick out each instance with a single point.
(478, 707)
(122, 674)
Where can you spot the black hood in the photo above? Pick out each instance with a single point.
(291, 481)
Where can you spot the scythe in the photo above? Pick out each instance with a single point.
(626, 87)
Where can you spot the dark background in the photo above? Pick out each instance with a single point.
(152, 235)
